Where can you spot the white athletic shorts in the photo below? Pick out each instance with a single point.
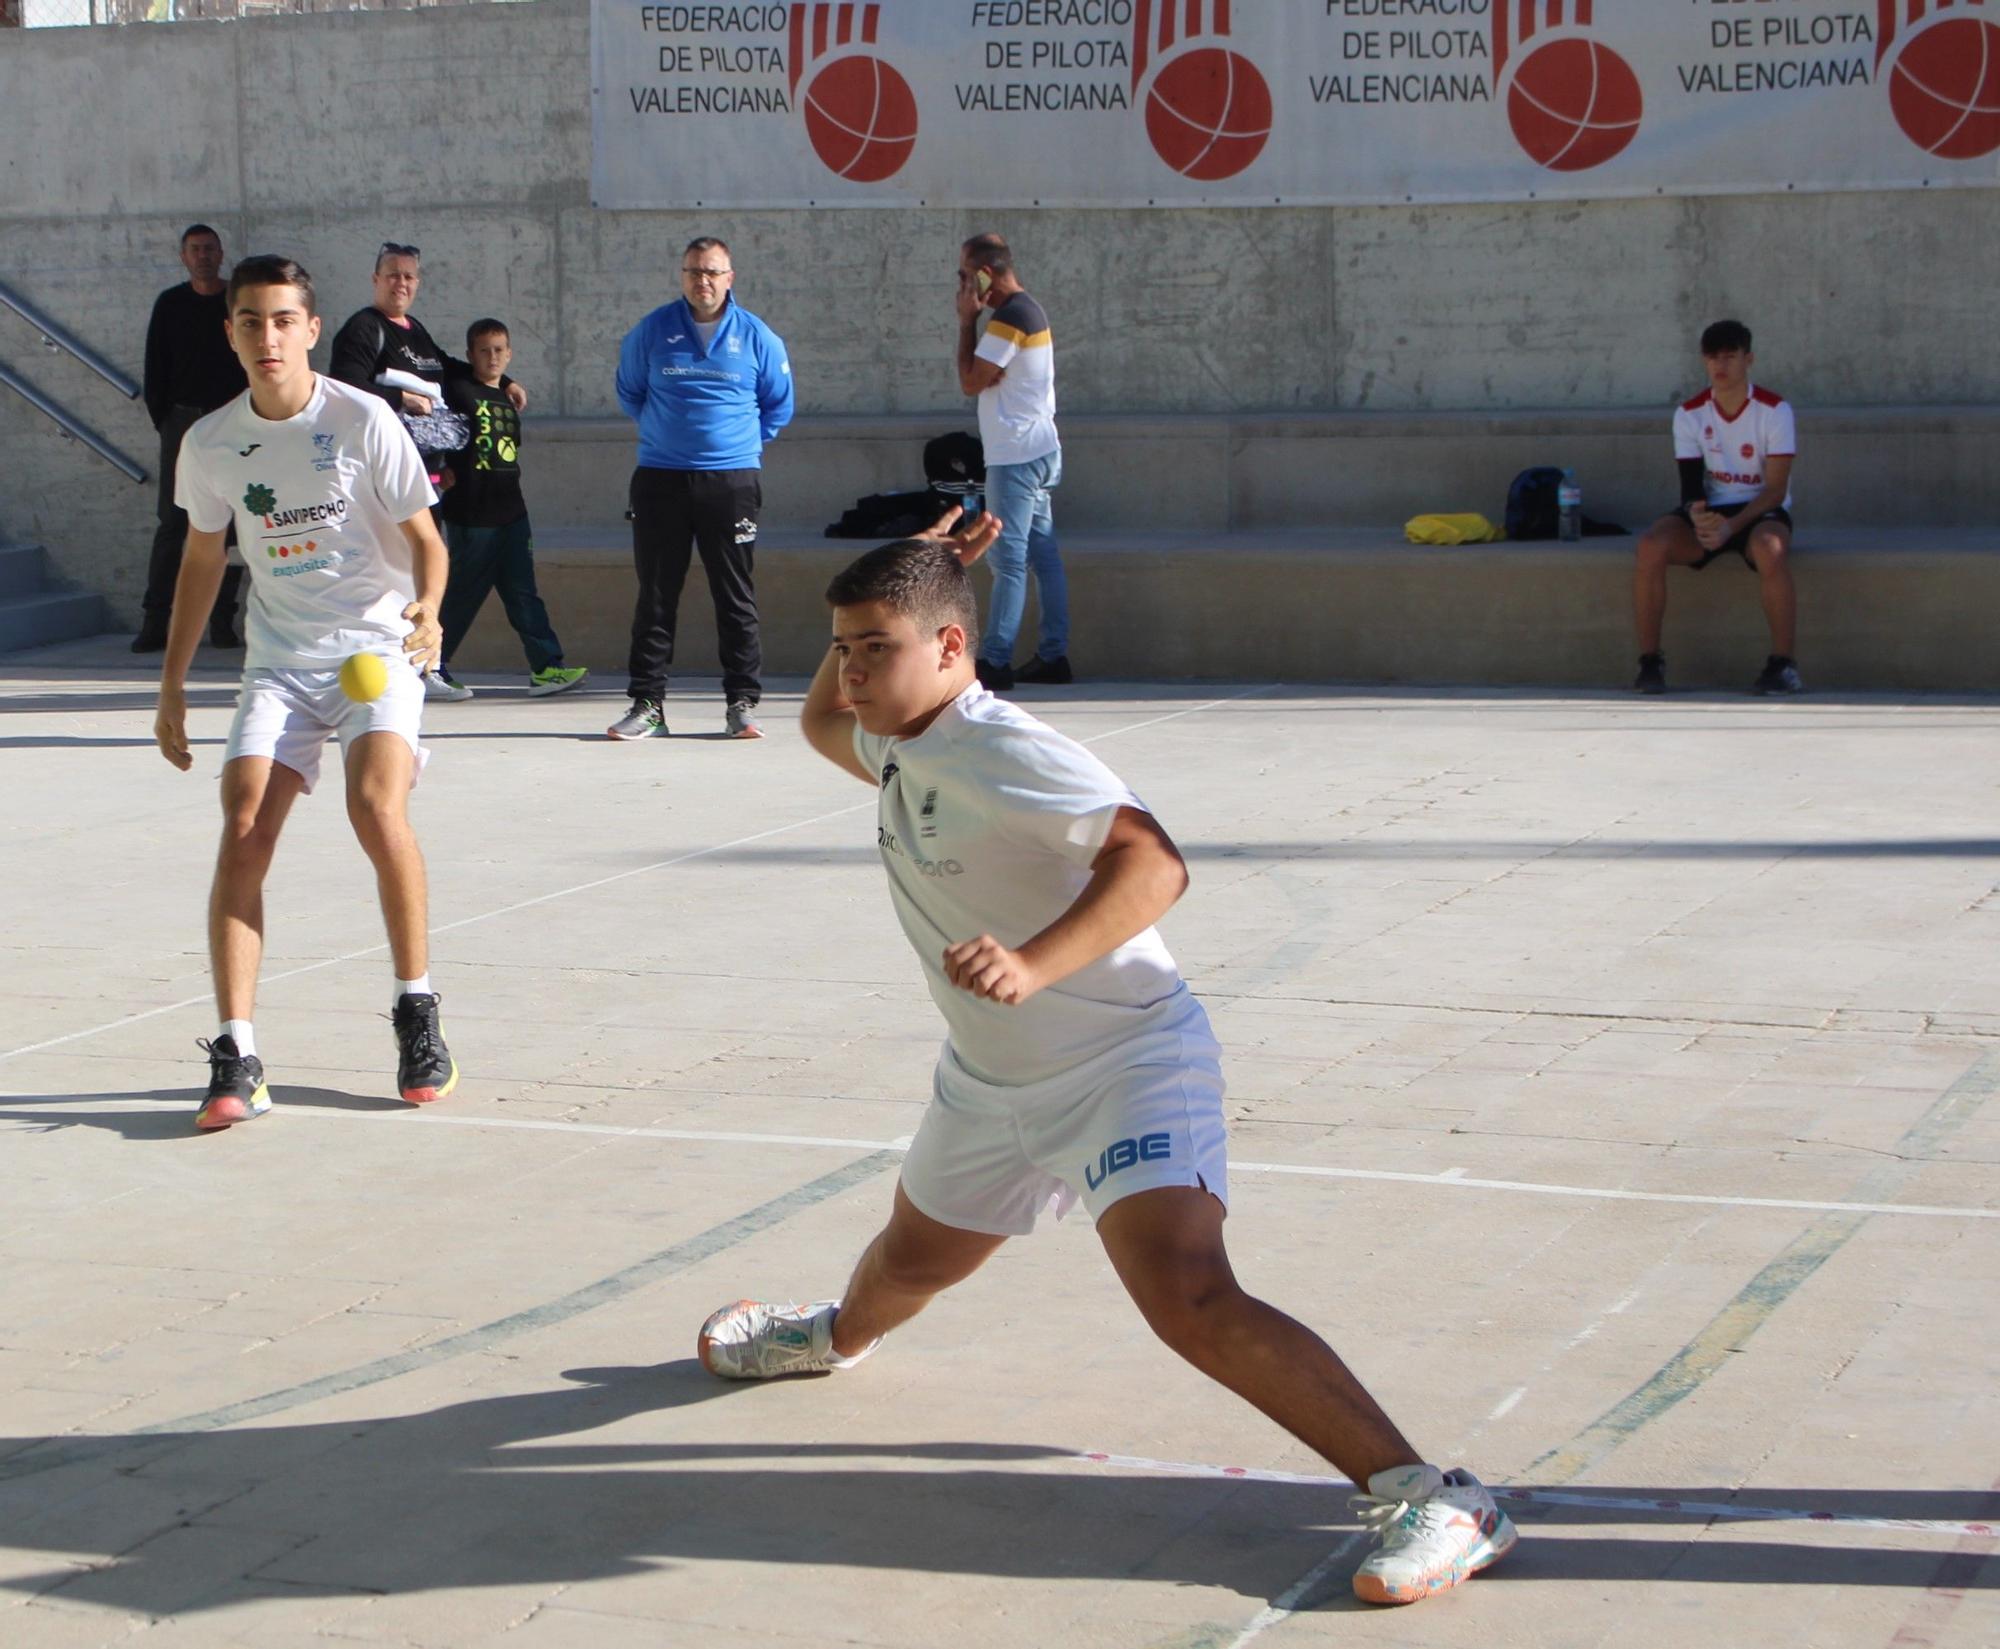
(1147, 1114)
(289, 715)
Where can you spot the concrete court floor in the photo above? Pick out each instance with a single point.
(1614, 1081)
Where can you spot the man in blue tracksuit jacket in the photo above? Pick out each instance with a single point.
(709, 384)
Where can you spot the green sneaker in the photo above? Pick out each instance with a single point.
(555, 679)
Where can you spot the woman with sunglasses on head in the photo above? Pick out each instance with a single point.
(387, 351)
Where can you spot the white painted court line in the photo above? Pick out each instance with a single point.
(1449, 1180)
(569, 892)
(1729, 1510)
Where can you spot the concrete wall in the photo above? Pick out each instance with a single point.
(313, 135)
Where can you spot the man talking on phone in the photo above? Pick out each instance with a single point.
(1009, 363)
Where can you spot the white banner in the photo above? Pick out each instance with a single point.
(1284, 102)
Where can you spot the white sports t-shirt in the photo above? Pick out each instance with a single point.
(1017, 415)
(318, 501)
(988, 823)
(1734, 449)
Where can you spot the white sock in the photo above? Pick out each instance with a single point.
(412, 987)
(239, 1032)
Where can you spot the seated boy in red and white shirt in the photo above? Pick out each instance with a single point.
(1735, 443)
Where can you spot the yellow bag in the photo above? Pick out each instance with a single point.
(1451, 529)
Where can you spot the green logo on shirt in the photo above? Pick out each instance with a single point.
(259, 499)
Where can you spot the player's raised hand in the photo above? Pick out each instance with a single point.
(170, 728)
(424, 639)
(974, 541)
(987, 968)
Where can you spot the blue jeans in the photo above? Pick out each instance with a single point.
(484, 559)
(1019, 495)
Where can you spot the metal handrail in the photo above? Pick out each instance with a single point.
(68, 424)
(59, 338)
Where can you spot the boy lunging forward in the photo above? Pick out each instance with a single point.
(1077, 1066)
(332, 511)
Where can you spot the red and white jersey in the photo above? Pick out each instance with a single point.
(1734, 449)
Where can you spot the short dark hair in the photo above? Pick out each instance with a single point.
(990, 251)
(921, 578)
(1725, 335)
(271, 269)
(703, 243)
(194, 229)
(485, 326)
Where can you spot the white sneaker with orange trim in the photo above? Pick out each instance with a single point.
(1435, 1528)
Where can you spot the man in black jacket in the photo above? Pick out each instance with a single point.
(384, 343)
(190, 371)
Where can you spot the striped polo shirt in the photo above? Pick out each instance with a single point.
(1017, 415)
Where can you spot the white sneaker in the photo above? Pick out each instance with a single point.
(439, 684)
(741, 720)
(1436, 1529)
(751, 1340)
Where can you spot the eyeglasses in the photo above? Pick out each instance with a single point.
(706, 274)
(396, 249)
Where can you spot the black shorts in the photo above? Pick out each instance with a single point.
(1739, 541)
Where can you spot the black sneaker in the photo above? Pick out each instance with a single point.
(1779, 675)
(236, 1091)
(1652, 676)
(223, 638)
(425, 1069)
(1046, 672)
(152, 638)
(995, 678)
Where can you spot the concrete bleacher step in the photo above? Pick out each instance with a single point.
(24, 570)
(51, 616)
(1880, 610)
(1254, 471)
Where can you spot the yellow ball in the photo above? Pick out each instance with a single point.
(364, 677)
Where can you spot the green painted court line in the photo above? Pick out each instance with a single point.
(715, 1240)
(1757, 1302)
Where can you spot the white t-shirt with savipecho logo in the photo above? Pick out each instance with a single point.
(988, 822)
(318, 501)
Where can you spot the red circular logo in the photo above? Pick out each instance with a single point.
(1209, 113)
(1748, 450)
(1945, 88)
(1574, 104)
(862, 118)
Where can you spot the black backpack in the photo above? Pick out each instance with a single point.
(1531, 503)
(958, 456)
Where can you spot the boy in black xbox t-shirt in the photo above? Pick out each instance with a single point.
(486, 522)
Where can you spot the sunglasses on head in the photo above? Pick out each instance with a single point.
(396, 249)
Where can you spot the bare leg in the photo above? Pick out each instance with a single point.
(1166, 1246)
(257, 795)
(911, 1261)
(380, 770)
(1668, 542)
(1771, 555)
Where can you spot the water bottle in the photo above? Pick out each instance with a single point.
(1569, 509)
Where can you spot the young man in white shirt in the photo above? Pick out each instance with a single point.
(1077, 1065)
(332, 511)
(1735, 443)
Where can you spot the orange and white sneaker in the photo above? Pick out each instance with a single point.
(1435, 1528)
(753, 1340)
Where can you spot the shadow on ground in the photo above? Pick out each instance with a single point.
(476, 1494)
(174, 1117)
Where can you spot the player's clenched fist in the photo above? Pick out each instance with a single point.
(987, 968)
